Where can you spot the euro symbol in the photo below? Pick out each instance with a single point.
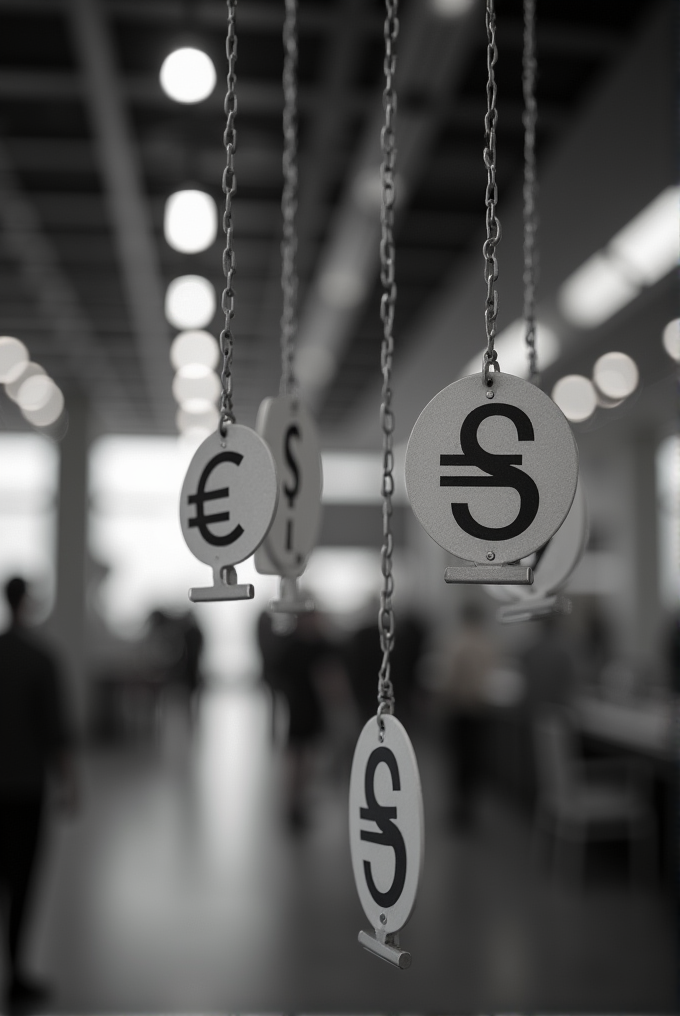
(202, 495)
(389, 835)
(501, 470)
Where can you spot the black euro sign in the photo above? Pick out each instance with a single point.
(501, 469)
(203, 521)
(389, 835)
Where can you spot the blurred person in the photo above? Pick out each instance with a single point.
(190, 674)
(463, 689)
(35, 744)
(363, 658)
(548, 668)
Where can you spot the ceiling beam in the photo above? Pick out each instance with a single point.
(129, 211)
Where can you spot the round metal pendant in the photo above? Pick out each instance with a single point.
(228, 497)
(291, 435)
(491, 472)
(386, 826)
(556, 561)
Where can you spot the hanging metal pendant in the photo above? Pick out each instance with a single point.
(553, 565)
(227, 505)
(386, 834)
(291, 435)
(491, 473)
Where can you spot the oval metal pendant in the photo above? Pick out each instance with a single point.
(491, 472)
(228, 497)
(556, 561)
(291, 435)
(386, 827)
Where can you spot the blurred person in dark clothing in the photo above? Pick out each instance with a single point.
(191, 675)
(35, 744)
(464, 698)
(363, 657)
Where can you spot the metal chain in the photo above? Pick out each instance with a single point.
(289, 199)
(387, 305)
(529, 120)
(229, 188)
(493, 226)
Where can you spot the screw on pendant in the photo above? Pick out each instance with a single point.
(383, 919)
(489, 395)
(491, 556)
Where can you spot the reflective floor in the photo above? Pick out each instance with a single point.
(178, 888)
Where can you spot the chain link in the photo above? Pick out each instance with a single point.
(493, 226)
(229, 189)
(529, 120)
(289, 198)
(387, 305)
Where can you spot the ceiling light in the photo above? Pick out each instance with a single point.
(575, 396)
(201, 423)
(194, 347)
(190, 302)
(196, 386)
(615, 376)
(13, 358)
(190, 221)
(29, 370)
(451, 8)
(188, 75)
(648, 246)
(50, 411)
(35, 392)
(595, 291)
(671, 339)
(510, 344)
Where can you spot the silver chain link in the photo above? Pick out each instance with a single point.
(229, 188)
(493, 226)
(529, 120)
(289, 199)
(387, 305)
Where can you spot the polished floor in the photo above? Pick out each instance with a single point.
(178, 888)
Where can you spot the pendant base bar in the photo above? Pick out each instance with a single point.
(493, 574)
(547, 607)
(291, 600)
(386, 950)
(225, 587)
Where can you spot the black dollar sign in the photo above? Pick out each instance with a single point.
(201, 496)
(389, 835)
(501, 469)
(291, 492)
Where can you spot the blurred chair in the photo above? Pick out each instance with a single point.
(582, 800)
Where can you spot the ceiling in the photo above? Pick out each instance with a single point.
(90, 148)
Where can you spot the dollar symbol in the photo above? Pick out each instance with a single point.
(201, 496)
(291, 492)
(501, 470)
(389, 835)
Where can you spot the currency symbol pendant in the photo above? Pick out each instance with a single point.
(227, 505)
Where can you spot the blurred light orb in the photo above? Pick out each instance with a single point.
(35, 392)
(190, 302)
(616, 376)
(13, 358)
(30, 369)
(576, 397)
(190, 221)
(194, 347)
(451, 8)
(188, 75)
(50, 411)
(200, 424)
(196, 387)
(671, 339)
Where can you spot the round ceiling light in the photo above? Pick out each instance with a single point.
(194, 347)
(188, 75)
(29, 370)
(13, 358)
(576, 397)
(50, 411)
(671, 339)
(35, 392)
(190, 302)
(190, 221)
(196, 388)
(615, 376)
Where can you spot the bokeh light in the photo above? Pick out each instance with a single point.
(194, 347)
(13, 358)
(575, 395)
(188, 75)
(616, 376)
(190, 221)
(190, 302)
